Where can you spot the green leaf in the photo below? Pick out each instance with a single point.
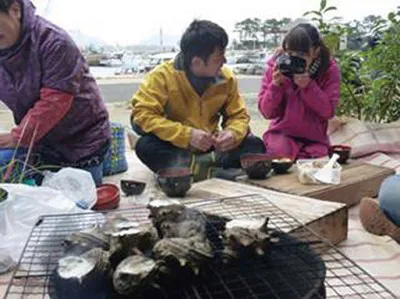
(379, 28)
(323, 4)
(330, 8)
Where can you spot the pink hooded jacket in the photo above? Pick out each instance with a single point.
(300, 113)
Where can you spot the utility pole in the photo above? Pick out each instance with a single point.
(161, 40)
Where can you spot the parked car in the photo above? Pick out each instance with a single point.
(157, 59)
(246, 65)
(238, 64)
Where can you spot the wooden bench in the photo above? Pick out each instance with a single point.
(326, 218)
(358, 180)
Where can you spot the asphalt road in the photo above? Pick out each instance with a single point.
(116, 92)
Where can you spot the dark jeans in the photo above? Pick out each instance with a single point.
(389, 198)
(158, 154)
(92, 163)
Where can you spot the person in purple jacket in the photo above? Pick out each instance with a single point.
(55, 101)
(300, 105)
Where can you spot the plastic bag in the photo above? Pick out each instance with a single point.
(21, 210)
(76, 184)
(6, 262)
(307, 168)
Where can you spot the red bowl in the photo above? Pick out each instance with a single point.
(343, 151)
(108, 197)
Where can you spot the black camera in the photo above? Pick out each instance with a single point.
(289, 65)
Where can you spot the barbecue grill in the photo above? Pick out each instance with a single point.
(300, 265)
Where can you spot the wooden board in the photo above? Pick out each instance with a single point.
(328, 219)
(358, 180)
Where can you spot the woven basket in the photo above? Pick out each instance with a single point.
(115, 159)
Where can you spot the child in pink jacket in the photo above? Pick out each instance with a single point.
(300, 105)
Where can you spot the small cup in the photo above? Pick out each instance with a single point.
(343, 151)
(281, 165)
(131, 187)
(256, 166)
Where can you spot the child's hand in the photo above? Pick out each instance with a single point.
(277, 77)
(302, 80)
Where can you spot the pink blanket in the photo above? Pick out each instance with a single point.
(378, 144)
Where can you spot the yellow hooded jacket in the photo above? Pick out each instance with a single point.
(167, 106)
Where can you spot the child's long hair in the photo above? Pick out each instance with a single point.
(304, 36)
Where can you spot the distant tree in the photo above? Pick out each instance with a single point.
(264, 33)
(248, 30)
(235, 44)
(355, 35)
(247, 27)
(251, 29)
(274, 28)
(364, 33)
(256, 28)
(239, 28)
(285, 22)
(369, 23)
(93, 49)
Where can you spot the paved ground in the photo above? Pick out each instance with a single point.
(117, 94)
(122, 90)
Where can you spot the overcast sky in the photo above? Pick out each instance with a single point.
(132, 21)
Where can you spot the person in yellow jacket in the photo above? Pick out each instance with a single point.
(191, 105)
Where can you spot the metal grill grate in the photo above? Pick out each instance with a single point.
(289, 270)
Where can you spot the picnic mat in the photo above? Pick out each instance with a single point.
(378, 144)
(379, 256)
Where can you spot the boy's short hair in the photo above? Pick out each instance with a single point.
(201, 39)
